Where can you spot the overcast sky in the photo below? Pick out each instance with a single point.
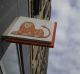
(65, 57)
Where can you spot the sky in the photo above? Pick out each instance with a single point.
(64, 58)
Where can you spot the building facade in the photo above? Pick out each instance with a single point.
(40, 9)
(39, 55)
(35, 58)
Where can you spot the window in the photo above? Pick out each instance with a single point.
(40, 5)
(36, 7)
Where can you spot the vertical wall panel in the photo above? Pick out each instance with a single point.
(23, 7)
(8, 11)
(26, 58)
